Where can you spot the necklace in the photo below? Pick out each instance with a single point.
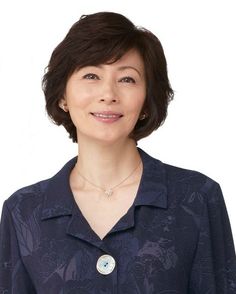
(109, 191)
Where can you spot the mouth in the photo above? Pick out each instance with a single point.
(106, 117)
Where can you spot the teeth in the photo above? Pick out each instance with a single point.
(106, 115)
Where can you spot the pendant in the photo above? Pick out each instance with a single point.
(109, 192)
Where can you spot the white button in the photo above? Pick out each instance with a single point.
(105, 264)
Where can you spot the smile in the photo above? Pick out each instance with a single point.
(106, 115)
(106, 118)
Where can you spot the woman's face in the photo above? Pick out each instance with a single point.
(105, 101)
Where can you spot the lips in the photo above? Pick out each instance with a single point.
(107, 117)
(107, 114)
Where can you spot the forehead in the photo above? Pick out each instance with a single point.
(130, 58)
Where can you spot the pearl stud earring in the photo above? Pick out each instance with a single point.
(142, 116)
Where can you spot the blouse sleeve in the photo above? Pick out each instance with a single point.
(214, 264)
(14, 278)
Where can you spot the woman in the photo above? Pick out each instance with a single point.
(114, 219)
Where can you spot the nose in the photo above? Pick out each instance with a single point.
(108, 93)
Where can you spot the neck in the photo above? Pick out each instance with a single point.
(106, 166)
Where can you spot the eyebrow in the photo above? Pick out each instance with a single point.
(127, 67)
(120, 68)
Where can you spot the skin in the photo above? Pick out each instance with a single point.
(106, 153)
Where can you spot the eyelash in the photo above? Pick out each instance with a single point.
(89, 75)
(131, 80)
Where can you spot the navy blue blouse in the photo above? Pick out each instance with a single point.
(175, 239)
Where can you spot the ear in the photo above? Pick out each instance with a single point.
(63, 104)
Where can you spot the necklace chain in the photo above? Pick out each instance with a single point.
(109, 191)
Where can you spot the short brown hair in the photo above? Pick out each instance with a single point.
(97, 39)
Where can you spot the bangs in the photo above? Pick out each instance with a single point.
(103, 50)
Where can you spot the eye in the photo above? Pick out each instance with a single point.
(91, 76)
(128, 80)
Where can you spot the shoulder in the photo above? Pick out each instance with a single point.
(178, 180)
(192, 186)
(182, 184)
(30, 199)
(27, 197)
(174, 175)
(34, 194)
(185, 188)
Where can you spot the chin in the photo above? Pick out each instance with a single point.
(111, 141)
(105, 139)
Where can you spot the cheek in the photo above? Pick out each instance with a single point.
(79, 99)
(136, 103)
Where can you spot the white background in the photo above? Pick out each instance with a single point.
(199, 40)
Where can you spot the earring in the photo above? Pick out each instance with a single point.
(142, 116)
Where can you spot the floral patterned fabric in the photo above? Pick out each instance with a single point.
(174, 239)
